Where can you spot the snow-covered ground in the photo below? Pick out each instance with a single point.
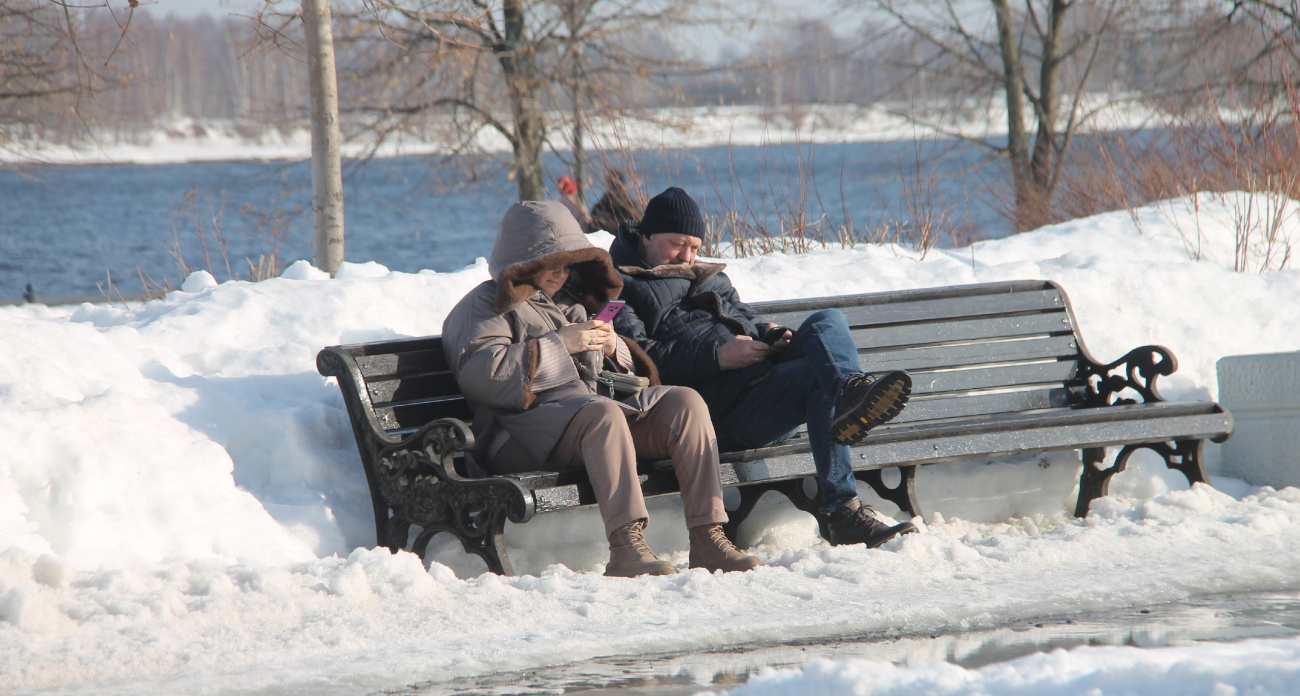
(180, 497)
(188, 140)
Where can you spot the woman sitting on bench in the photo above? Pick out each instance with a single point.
(527, 358)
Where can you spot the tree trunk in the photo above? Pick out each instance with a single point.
(579, 157)
(517, 62)
(1013, 85)
(326, 165)
(1049, 95)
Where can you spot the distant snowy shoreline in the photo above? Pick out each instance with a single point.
(190, 140)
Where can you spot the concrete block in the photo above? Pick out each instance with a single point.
(1263, 394)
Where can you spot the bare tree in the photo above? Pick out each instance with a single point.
(1035, 57)
(1266, 36)
(40, 58)
(470, 68)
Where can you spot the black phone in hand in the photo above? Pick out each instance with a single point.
(773, 334)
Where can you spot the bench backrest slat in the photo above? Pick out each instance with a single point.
(401, 364)
(386, 392)
(968, 354)
(1044, 374)
(415, 414)
(867, 312)
(972, 350)
(979, 404)
(952, 331)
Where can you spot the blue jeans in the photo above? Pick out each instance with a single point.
(802, 388)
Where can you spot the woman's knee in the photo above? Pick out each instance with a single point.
(685, 400)
(602, 412)
(683, 410)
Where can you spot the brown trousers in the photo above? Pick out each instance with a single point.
(607, 441)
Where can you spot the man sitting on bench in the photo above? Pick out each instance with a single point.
(760, 381)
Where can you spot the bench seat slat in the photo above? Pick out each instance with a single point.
(969, 354)
(1047, 438)
(993, 437)
(933, 310)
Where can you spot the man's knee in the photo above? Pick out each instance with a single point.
(828, 320)
(831, 314)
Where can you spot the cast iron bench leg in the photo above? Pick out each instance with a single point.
(792, 489)
(482, 533)
(903, 495)
(1184, 456)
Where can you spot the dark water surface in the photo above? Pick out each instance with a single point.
(1207, 618)
(69, 230)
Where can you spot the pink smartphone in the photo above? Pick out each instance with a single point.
(607, 314)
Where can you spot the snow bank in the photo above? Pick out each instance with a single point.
(180, 495)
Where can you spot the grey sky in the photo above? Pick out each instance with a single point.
(190, 8)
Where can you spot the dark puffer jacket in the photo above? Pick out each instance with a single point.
(680, 315)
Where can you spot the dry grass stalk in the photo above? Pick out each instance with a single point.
(1256, 152)
(787, 213)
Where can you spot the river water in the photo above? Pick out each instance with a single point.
(74, 231)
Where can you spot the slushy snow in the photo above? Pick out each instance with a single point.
(182, 507)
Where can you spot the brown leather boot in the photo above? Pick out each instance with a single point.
(630, 556)
(712, 550)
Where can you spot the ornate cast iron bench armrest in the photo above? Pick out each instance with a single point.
(1136, 371)
(419, 482)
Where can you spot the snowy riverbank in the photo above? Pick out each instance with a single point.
(190, 140)
(180, 495)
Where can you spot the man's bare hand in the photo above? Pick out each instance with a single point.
(589, 335)
(741, 351)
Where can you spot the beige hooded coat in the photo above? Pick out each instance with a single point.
(501, 338)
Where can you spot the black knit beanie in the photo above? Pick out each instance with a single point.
(673, 211)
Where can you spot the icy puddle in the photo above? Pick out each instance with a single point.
(1211, 618)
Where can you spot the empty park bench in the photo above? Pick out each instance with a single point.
(998, 369)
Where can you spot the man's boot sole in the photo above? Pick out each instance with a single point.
(882, 405)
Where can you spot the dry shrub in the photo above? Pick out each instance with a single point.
(203, 217)
(1253, 148)
(787, 213)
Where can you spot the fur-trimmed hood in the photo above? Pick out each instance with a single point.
(537, 234)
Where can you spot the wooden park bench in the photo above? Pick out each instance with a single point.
(998, 369)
